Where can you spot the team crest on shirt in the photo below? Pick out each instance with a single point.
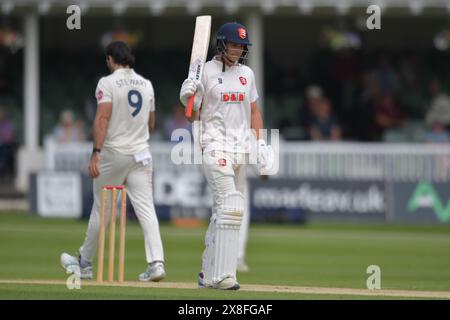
(99, 95)
(243, 80)
(232, 97)
(220, 80)
(242, 33)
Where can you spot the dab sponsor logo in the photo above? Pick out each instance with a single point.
(425, 196)
(232, 97)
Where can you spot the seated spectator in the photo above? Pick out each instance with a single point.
(387, 114)
(68, 130)
(439, 106)
(314, 94)
(385, 75)
(363, 117)
(323, 125)
(174, 121)
(437, 134)
(7, 144)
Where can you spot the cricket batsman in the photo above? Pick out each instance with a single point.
(226, 105)
(121, 156)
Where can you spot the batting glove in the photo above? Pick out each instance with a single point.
(266, 157)
(188, 89)
(263, 152)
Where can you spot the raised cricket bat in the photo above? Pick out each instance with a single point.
(199, 53)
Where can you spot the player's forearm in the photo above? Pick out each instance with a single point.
(151, 121)
(256, 123)
(99, 131)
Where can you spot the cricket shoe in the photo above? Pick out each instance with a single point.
(155, 272)
(71, 265)
(226, 284)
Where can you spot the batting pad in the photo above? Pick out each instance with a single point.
(226, 238)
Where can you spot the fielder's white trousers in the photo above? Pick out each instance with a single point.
(119, 169)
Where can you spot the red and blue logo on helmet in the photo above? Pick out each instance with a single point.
(233, 32)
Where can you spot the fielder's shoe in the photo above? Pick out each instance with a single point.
(155, 272)
(71, 265)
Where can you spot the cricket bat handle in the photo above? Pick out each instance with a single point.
(189, 106)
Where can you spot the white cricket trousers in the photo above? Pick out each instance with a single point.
(119, 169)
(222, 180)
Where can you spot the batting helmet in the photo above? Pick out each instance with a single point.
(235, 33)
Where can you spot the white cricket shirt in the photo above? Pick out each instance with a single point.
(225, 115)
(133, 99)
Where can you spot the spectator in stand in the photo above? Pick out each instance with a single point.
(437, 133)
(385, 75)
(364, 116)
(439, 108)
(387, 114)
(347, 75)
(323, 125)
(7, 144)
(69, 130)
(314, 94)
(176, 120)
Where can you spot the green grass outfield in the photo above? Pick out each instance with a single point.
(411, 258)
